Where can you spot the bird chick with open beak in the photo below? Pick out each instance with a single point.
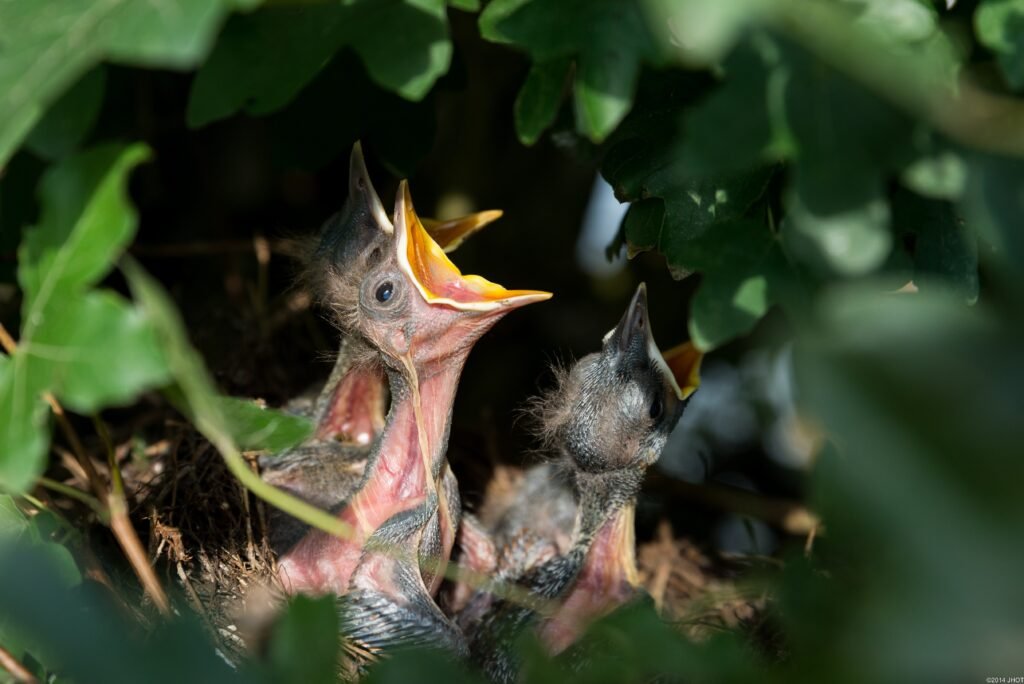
(349, 411)
(607, 421)
(421, 316)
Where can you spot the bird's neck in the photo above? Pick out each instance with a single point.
(603, 573)
(415, 437)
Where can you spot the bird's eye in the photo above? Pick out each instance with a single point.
(656, 408)
(385, 291)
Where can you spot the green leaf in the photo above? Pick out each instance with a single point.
(12, 521)
(939, 174)
(257, 427)
(86, 219)
(70, 118)
(999, 25)
(945, 250)
(745, 273)
(540, 98)
(465, 5)
(304, 643)
(89, 348)
(853, 242)
(46, 48)
(608, 40)
(264, 59)
(921, 496)
(96, 350)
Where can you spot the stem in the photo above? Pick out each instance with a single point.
(73, 493)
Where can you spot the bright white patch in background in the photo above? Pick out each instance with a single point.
(601, 222)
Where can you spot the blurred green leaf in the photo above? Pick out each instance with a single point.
(90, 348)
(920, 500)
(304, 643)
(55, 619)
(851, 242)
(1000, 27)
(12, 521)
(262, 60)
(540, 98)
(608, 41)
(412, 665)
(257, 427)
(70, 118)
(47, 47)
(945, 250)
(465, 5)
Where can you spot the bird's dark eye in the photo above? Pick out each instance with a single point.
(385, 291)
(656, 408)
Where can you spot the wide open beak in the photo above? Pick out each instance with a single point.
(634, 339)
(438, 280)
(684, 362)
(452, 233)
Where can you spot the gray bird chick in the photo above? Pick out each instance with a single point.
(606, 422)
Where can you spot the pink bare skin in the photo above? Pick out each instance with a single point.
(425, 346)
(356, 411)
(607, 580)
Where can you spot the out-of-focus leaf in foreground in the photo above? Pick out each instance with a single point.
(47, 46)
(85, 638)
(90, 348)
(921, 494)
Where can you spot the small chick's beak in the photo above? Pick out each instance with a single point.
(634, 339)
(684, 362)
(361, 191)
(452, 233)
(362, 221)
(438, 280)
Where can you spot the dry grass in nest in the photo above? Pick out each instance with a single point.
(207, 536)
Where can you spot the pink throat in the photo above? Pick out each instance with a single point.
(399, 479)
(607, 580)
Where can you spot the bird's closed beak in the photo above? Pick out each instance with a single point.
(438, 280)
(633, 338)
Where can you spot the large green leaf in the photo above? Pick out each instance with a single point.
(89, 348)
(921, 499)
(304, 643)
(608, 40)
(47, 46)
(262, 60)
(70, 118)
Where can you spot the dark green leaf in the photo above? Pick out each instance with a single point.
(608, 40)
(70, 118)
(945, 250)
(540, 98)
(264, 59)
(304, 643)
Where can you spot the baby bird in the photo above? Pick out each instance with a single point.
(349, 411)
(607, 421)
(421, 316)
